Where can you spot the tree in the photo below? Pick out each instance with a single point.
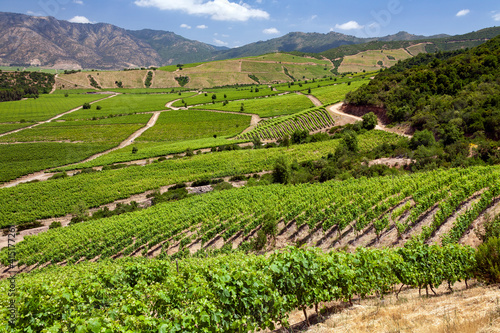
(134, 150)
(350, 140)
(422, 138)
(214, 97)
(284, 141)
(369, 121)
(299, 136)
(86, 106)
(256, 142)
(281, 172)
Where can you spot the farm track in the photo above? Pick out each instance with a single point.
(128, 141)
(56, 117)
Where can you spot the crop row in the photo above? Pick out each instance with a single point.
(309, 120)
(226, 293)
(329, 205)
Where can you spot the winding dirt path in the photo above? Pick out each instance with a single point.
(56, 117)
(44, 175)
(342, 118)
(128, 141)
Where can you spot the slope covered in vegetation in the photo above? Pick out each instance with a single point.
(451, 94)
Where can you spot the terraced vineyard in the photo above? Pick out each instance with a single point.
(324, 215)
(310, 120)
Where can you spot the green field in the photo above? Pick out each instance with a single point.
(42, 108)
(336, 93)
(173, 68)
(127, 104)
(10, 127)
(309, 120)
(191, 125)
(266, 107)
(107, 131)
(57, 197)
(230, 94)
(155, 149)
(21, 159)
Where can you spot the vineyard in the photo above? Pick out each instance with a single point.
(309, 120)
(332, 212)
(265, 107)
(159, 209)
(26, 202)
(227, 293)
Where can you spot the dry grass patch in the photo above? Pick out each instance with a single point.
(476, 309)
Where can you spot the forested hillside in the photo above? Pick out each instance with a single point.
(454, 95)
(16, 85)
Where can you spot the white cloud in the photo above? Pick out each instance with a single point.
(314, 17)
(218, 42)
(32, 13)
(201, 26)
(351, 25)
(79, 2)
(496, 16)
(258, 1)
(225, 36)
(463, 12)
(185, 26)
(79, 19)
(219, 10)
(271, 31)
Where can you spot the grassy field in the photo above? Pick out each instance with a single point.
(73, 131)
(148, 150)
(127, 104)
(266, 107)
(228, 94)
(336, 93)
(288, 58)
(370, 60)
(173, 68)
(416, 49)
(42, 108)
(193, 124)
(147, 90)
(21, 159)
(10, 127)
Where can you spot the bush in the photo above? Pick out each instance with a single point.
(369, 121)
(260, 241)
(281, 172)
(223, 186)
(86, 106)
(422, 138)
(98, 107)
(201, 182)
(55, 224)
(488, 261)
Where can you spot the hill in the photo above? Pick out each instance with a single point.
(452, 94)
(46, 41)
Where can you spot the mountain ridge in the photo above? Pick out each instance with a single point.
(46, 41)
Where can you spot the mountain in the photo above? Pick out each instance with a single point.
(46, 41)
(175, 49)
(49, 42)
(309, 43)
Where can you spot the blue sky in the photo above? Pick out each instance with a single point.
(234, 23)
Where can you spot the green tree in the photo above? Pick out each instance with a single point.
(350, 141)
(369, 121)
(281, 172)
(422, 138)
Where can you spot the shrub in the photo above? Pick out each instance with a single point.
(369, 121)
(281, 172)
(223, 186)
(55, 224)
(134, 150)
(260, 241)
(488, 261)
(98, 107)
(86, 106)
